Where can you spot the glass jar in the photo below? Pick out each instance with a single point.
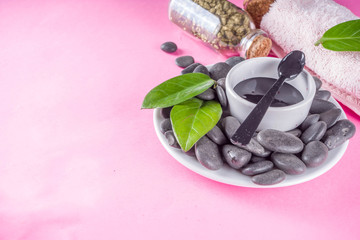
(225, 27)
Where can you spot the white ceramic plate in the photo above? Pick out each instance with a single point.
(234, 177)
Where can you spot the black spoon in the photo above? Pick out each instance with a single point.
(289, 67)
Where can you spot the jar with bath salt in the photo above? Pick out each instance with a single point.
(222, 25)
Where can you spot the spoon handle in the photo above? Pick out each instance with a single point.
(247, 129)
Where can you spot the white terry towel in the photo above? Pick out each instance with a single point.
(297, 25)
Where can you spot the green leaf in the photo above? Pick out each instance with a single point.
(192, 119)
(342, 37)
(177, 90)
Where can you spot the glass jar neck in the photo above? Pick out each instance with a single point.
(246, 42)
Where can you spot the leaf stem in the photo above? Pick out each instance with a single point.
(317, 43)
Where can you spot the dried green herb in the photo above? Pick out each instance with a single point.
(342, 37)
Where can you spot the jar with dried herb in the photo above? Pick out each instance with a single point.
(222, 25)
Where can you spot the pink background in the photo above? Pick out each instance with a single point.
(80, 160)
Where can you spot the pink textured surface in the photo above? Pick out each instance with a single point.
(80, 160)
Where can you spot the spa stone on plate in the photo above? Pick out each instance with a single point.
(191, 152)
(279, 141)
(314, 132)
(201, 69)
(209, 94)
(257, 168)
(235, 156)
(339, 133)
(322, 94)
(314, 153)
(330, 117)
(232, 61)
(318, 83)
(288, 163)
(208, 154)
(255, 159)
(165, 125)
(269, 178)
(168, 47)
(225, 113)
(320, 106)
(296, 132)
(221, 95)
(217, 136)
(221, 82)
(165, 112)
(309, 120)
(184, 61)
(230, 124)
(190, 68)
(219, 70)
(254, 147)
(170, 137)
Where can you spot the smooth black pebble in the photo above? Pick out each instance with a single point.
(269, 178)
(219, 70)
(201, 69)
(170, 137)
(232, 61)
(255, 159)
(339, 133)
(226, 112)
(320, 106)
(165, 112)
(208, 154)
(191, 152)
(330, 117)
(184, 61)
(254, 147)
(230, 124)
(318, 83)
(257, 168)
(288, 163)
(217, 136)
(279, 141)
(165, 125)
(314, 132)
(209, 94)
(168, 47)
(235, 156)
(221, 95)
(314, 153)
(309, 120)
(322, 94)
(221, 82)
(190, 68)
(296, 132)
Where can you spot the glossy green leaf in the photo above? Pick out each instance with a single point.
(192, 119)
(177, 90)
(342, 37)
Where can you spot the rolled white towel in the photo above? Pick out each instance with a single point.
(297, 25)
